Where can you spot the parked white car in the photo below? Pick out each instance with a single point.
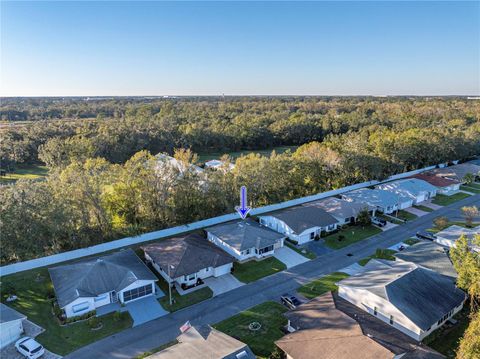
(29, 348)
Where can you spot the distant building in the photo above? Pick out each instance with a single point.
(458, 172)
(182, 167)
(217, 164)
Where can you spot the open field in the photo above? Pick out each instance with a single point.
(34, 172)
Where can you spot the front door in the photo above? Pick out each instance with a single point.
(113, 297)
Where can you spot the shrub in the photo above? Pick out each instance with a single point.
(117, 316)
(340, 237)
(93, 322)
(440, 223)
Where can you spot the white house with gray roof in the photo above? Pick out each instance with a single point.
(83, 286)
(412, 299)
(301, 224)
(383, 201)
(11, 325)
(245, 239)
(449, 236)
(416, 189)
(344, 211)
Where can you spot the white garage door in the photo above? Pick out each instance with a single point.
(421, 198)
(225, 269)
(9, 332)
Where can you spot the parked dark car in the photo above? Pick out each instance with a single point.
(290, 301)
(426, 235)
(379, 221)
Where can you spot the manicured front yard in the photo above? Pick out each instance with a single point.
(443, 200)
(321, 285)
(33, 289)
(269, 315)
(350, 235)
(423, 208)
(411, 241)
(379, 254)
(25, 172)
(252, 270)
(301, 250)
(470, 188)
(181, 301)
(406, 216)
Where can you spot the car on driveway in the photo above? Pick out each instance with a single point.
(290, 301)
(380, 222)
(426, 235)
(29, 348)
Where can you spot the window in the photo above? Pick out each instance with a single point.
(100, 298)
(137, 293)
(266, 249)
(391, 319)
(312, 235)
(80, 307)
(247, 251)
(375, 311)
(207, 269)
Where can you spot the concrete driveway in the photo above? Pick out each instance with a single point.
(223, 284)
(388, 226)
(416, 211)
(145, 309)
(289, 257)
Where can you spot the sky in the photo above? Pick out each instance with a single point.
(239, 48)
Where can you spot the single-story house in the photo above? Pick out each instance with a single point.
(301, 224)
(384, 201)
(444, 185)
(205, 342)
(181, 167)
(217, 164)
(82, 286)
(11, 325)
(410, 298)
(317, 329)
(415, 189)
(245, 239)
(187, 260)
(344, 211)
(429, 255)
(450, 235)
(458, 172)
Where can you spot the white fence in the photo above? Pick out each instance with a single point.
(129, 241)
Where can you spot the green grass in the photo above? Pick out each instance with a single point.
(423, 208)
(322, 285)
(302, 251)
(411, 241)
(182, 301)
(25, 172)
(389, 219)
(203, 157)
(445, 339)
(33, 289)
(443, 200)
(379, 254)
(269, 315)
(351, 235)
(252, 270)
(406, 216)
(470, 188)
(156, 350)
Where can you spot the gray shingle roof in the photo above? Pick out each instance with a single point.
(8, 314)
(340, 208)
(246, 234)
(187, 254)
(95, 276)
(409, 187)
(422, 295)
(457, 172)
(429, 255)
(301, 218)
(373, 197)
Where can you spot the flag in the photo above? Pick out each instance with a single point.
(185, 327)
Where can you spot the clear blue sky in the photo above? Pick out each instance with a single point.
(184, 48)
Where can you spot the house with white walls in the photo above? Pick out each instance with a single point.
(415, 189)
(344, 211)
(11, 325)
(383, 201)
(83, 286)
(449, 236)
(444, 185)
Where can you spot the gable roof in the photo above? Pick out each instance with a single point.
(436, 181)
(409, 187)
(453, 233)
(205, 342)
(187, 254)
(8, 314)
(429, 255)
(373, 197)
(301, 218)
(99, 275)
(321, 328)
(245, 234)
(422, 295)
(339, 208)
(457, 172)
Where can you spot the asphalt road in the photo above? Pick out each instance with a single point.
(135, 341)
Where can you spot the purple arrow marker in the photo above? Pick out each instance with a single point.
(243, 209)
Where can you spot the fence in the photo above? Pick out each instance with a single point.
(129, 241)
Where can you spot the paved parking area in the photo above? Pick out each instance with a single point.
(289, 257)
(145, 309)
(318, 247)
(223, 284)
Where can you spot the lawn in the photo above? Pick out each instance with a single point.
(269, 315)
(379, 254)
(445, 339)
(322, 285)
(301, 250)
(25, 172)
(156, 350)
(411, 241)
(203, 157)
(406, 216)
(252, 270)
(470, 188)
(423, 208)
(181, 301)
(443, 200)
(33, 289)
(350, 235)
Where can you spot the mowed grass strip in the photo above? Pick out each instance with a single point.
(269, 315)
(350, 235)
(443, 200)
(301, 250)
(322, 285)
(254, 270)
(379, 254)
(470, 188)
(33, 172)
(423, 208)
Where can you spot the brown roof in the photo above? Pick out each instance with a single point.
(325, 332)
(437, 181)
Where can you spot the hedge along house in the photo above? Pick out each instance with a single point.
(410, 298)
(345, 212)
(300, 224)
(415, 189)
(88, 284)
(187, 260)
(444, 185)
(245, 239)
(384, 201)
